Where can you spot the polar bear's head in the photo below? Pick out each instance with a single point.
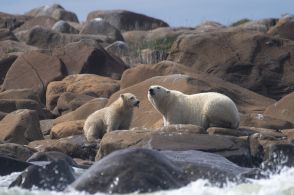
(130, 100)
(157, 95)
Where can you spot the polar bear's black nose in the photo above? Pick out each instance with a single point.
(151, 91)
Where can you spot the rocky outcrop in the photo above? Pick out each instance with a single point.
(126, 20)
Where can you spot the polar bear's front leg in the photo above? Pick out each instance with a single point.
(165, 122)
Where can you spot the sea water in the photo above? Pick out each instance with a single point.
(276, 184)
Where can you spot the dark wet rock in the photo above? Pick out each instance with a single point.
(128, 171)
(103, 27)
(74, 146)
(279, 156)
(9, 165)
(177, 138)
(55, 176)
(16, 151)
(53, 156)
(64, 27)
(21, 126)
(126, 20)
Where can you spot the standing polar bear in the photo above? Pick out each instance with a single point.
(203, 109)
(114, 117)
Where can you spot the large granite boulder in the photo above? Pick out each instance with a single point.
(49, 39)
(100, 26)
(64, 27)
(283, 109)
(34, 70)
(127, 20)
(88, 84)
(145, 170)
(252, 60)
(21, 126)
(68, 101)
(5, 64)
(87, 56)
(55, 11)
(66, 129)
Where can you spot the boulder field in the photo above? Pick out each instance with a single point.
(55, 71)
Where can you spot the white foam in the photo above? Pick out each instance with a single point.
(279, 184)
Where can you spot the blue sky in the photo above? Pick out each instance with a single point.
(175, 12)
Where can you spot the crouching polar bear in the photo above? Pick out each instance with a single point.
(114, 117)
(202, 109)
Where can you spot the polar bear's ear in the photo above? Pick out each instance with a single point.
(122, 96)
(168, 91)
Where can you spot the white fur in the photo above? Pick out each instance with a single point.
(203, 109)
(114, 117)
